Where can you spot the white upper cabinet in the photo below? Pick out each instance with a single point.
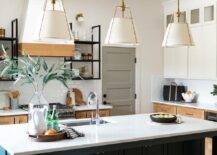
(199, 61)
(202, 57)
(196, 53)
(176, 62)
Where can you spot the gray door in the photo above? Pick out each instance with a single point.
(118, 79)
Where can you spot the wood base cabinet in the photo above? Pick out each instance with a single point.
(13, 119)
(164, 108)
(191, 112)
(184, 111)
(90, 113)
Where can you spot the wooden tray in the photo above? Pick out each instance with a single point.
(163, 120)
(51, 138)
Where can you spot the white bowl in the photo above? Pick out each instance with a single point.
(188, 97)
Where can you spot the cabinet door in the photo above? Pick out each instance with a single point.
(104, 113)
(91, 114)
(81, 114)
(164, 108)
(191, 112)
(202, 57)
(176, 62)
(21, 119)
(6, 120)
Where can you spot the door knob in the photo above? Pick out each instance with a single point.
(104, 95)
(104, 102)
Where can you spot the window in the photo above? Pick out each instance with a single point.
(195, 16)
(209, 13)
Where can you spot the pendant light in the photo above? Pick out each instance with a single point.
(54, 23)
(122, 28)
(177, 33)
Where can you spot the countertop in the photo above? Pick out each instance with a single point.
(129, 128)
(76, 108)
(13, 112)
(202, 106)
(91, 107)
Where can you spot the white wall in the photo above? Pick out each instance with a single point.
(148, 16)
(151, 56)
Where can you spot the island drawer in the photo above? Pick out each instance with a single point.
(191, 112)
(164, 108)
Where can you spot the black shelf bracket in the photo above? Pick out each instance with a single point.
(14, 44)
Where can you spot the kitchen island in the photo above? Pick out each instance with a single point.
(123, 135)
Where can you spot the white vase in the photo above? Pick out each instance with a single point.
(38, 107)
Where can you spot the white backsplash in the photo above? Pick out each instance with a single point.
(203, 88)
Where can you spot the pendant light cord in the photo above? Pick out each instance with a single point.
(123, 7)
(53, 3)
(178, 13)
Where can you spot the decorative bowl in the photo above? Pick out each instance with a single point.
(163, 118)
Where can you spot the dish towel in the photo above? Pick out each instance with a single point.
(72, 133)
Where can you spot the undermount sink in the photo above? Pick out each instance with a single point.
(82, 123)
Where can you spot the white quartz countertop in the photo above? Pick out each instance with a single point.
(127, 129)
(203, 106)
(13, 112)
(91, 107)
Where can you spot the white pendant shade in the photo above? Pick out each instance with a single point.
(121, 31)
(55, 25)
(177, 34)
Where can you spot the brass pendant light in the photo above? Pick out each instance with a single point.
(54, 23)
(122, 28)
(178, 33)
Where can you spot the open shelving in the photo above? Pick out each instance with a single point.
(90, 43)
(13, 40)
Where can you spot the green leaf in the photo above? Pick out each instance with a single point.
(49, 77)
(51, 68)
(45, 66)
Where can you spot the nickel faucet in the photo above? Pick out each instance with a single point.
(93, 99)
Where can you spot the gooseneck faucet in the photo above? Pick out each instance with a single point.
(93, 99)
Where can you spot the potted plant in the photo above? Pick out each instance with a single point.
(37, 73)
(214, 93)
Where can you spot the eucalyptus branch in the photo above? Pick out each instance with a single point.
(31, 71)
